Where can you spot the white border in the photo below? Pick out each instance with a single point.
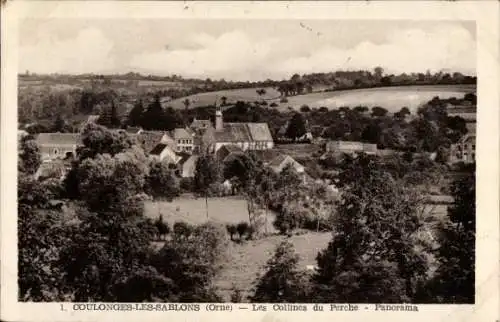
(486, 15)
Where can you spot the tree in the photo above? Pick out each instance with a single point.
(296, 127)
(224, 100)
(154, 116)
(376, 251)
(59, 124)
(242, 228)
(29, 158)
(161, 181)
(194, 262)
(282, 282)
(136, 114)
(97, 139)
(162, 227)
(378, 111)
(454, 281)
(231, 230)
(206, 174)
(186, 103)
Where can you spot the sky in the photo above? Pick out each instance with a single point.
(244, 49)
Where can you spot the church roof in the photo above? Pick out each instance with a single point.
(243, 132)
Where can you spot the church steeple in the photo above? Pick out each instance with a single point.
(219, 123)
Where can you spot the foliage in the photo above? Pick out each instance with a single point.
(136, 114)
(193, 262)
(282, 282)
(161, 182)
(97, 139)
(296, 127)
(375, 253)
(29, 158)
(454, 281)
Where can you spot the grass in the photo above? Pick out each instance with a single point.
(225, 210)
(233, 95)
(391, 98)
(247, 261)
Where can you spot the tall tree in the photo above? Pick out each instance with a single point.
(454, 281)
(373, 255)
(206, 174)
(161, 181)
(283, 282)
(29, 158)
(296, 127)
(136, 114)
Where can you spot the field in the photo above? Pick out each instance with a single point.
(247, 260)
(192, 210)
(391, 98)
(233, 95)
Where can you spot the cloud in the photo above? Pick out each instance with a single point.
(236, 55)
(89, 51)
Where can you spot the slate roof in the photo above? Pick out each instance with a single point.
(227, 150)
(243, 132)
(149, 139)
(58, 139)
(158, 149)
(200, 124)
(55, 169)
(181, 133)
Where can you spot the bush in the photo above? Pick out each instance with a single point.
(273, 105)
(304, 109)
(231, 229)
(242, 229)
(186, 184)
(284, 100)
(183, 229)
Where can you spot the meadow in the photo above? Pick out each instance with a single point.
(391, 98)
(246, 260)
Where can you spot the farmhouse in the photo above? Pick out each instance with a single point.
(162, 152)
(228, 151)
(248, 136)
(184, 140)
(350, 147)
(150, 139)
(188, 166)
(56, 170)
(282, 161)
(57, 145)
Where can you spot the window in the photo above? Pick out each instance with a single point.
(473, 147)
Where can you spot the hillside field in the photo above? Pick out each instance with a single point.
(391, 98)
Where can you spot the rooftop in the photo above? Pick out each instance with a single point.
(58, 139)
(181, 133)
(158, 149)
(243, 132)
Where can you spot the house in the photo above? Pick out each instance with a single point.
(148, 140)
(228, 151)
(282, 161)
(56, 169)
(163, 152)
(184, 140)
(350, 147)
(188, 166)
(57, 145)
(465, 149)
(248, 136)
(200, 125)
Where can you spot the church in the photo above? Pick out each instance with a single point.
(247, 136)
